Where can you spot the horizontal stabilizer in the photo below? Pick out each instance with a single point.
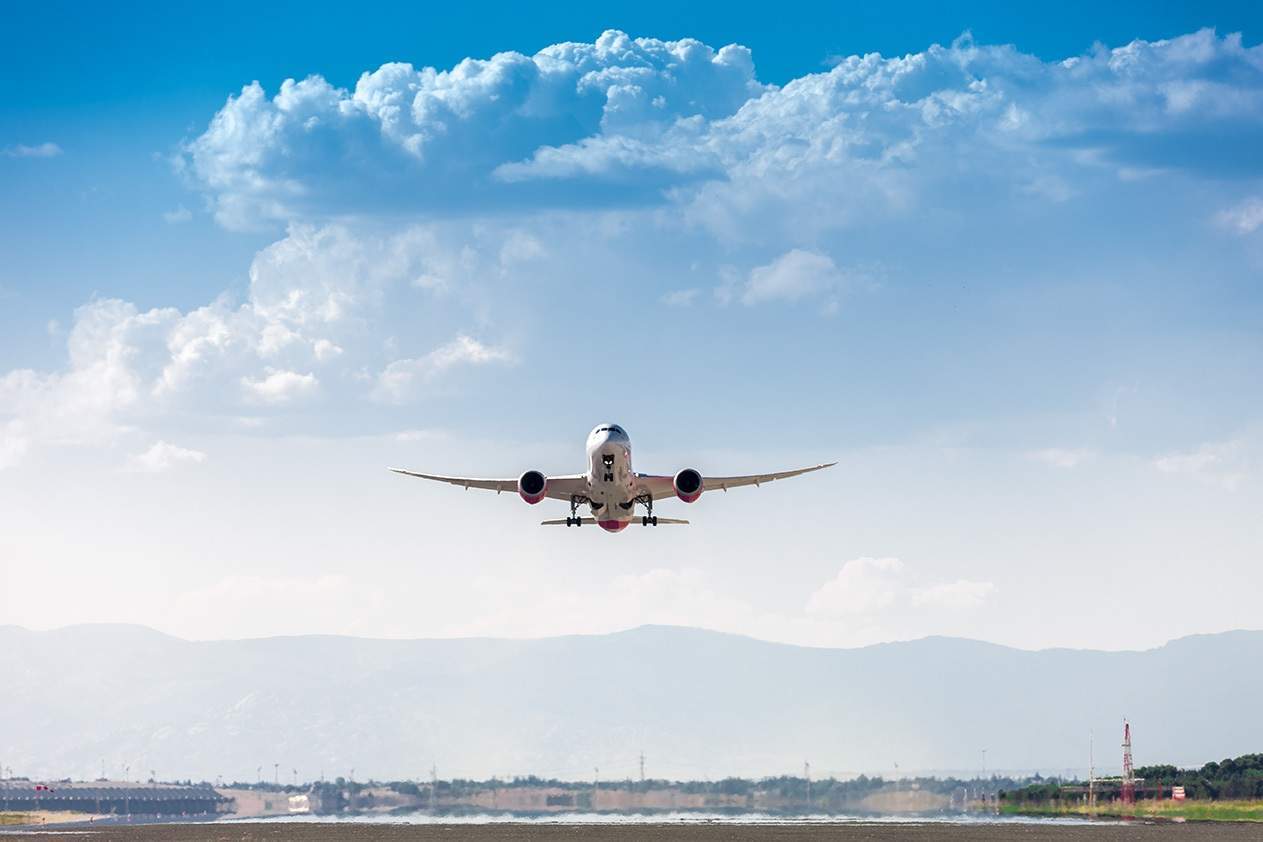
(662, 521)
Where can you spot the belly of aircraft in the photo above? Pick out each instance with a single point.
(611, 481)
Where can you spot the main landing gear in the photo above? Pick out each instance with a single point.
(646, 500)
(576, 500)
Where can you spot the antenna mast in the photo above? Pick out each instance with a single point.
(1129, 775)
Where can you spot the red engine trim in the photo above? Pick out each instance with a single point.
(532, 498)
(692, 496)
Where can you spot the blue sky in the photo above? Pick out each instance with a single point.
(1003, 263)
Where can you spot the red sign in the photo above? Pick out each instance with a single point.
(1177, 793)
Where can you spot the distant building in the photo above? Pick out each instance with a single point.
(104, 797)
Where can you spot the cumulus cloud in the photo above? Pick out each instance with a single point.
(400, 379)
(46, 149)
(872, 586)
(793, 276)
(862, 586)
(280, 386)
(409, 135)
(314, 317)
(625, 121)
(163, 456)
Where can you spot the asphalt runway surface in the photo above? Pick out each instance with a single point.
(717, 832)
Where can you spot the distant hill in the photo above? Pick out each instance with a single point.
(700, 704)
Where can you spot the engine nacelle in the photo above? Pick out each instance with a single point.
(688, 485)
(532, 486)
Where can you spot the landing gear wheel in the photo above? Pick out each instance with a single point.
(653, 519)
(576, 500)
(644, 521)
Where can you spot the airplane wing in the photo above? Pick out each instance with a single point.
(661, 487)
(667, 521)
(559, 488)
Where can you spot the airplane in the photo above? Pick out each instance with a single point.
(610, 488)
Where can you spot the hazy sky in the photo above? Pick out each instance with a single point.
(1005, 266)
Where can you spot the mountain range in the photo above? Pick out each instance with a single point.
(699, 704)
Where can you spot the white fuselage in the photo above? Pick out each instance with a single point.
(611, 480)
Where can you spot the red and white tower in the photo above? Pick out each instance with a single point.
(1129, 776)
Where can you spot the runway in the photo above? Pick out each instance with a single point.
(716, 832)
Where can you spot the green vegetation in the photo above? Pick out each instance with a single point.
(1230, 790)
(1218, 811)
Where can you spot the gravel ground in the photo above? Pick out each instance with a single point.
(335, 832)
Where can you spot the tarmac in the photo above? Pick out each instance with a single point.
(277, 831)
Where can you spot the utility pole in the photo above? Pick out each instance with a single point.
(807, 775)
(434, 784)
(1091, 775)
(596, 784)
(276, 774)
(642, 769)
(258, 773)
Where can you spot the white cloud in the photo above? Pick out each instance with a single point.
(406, 135)
(862, 586)
(1244, 218)
(180, 214)
(629, 121)
(520, 247)
(278, 386)
(313, 319)
(795, 275)
(39, 150)
(163, 456)
(399, 380)
(1226, 463)
(866, 588)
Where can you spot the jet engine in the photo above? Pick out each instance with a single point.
(532, 486)
(688, 485)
